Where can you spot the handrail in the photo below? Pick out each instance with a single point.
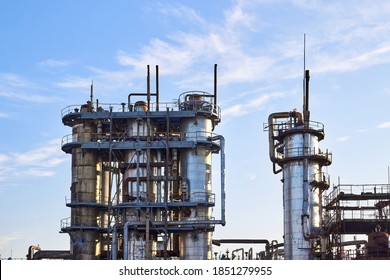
(203, 106)
(197, 136)
(284, 124)
(106, 107)
(97, 199)
(351, 189)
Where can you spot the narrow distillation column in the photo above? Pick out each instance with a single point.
(84, 214)
(139, 190)
(196, 175)
(294, 146)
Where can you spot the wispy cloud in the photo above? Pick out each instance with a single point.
(337, 42)
(52, 63)
(35, 98)
(14, 80)
(35, 172)
(72, 82)
(384, 125)
(252, 177)
(181, 12)
(16, 87)
(38, 162)
(250, 105)
(47, 155)
(3, 158)
(343, 138)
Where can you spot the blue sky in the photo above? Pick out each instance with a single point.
(50, 52)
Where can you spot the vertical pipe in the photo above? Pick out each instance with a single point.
(223, 194)
(307, 79)
(109, 174)
(215, 85)
(148, 87)
(306, 112)
(149, 192)
(91, 92)
(126, 240)
(157, 90)
(114, 249)
(166, 187)
(159, 175)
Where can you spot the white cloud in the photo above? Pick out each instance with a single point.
(345, 62)
(35, 172)
(237, 16)
(75, 82)
(38, 162)
(384, 125)
(250, 105)
(337, 42)
(16, 87)
(343, 138)
(173, 58)
(3, 158)
(35, 98)
(52, 63)
(15, 81)
(182, 12)
(47, 155)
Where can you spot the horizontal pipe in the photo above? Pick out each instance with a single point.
(218, 242)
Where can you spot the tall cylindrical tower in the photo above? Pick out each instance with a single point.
(196, 174)
(139, 187)
(84, 195)
(294, 146)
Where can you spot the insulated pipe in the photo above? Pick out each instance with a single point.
(218, 242)
(271, 123)
(126, 240)
(114, 252)
(307, 234)
(31, 251)
(223, 193)
(272, 147)
(271, 126)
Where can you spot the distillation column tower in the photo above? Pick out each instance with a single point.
(294, 146)
(142, 176)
